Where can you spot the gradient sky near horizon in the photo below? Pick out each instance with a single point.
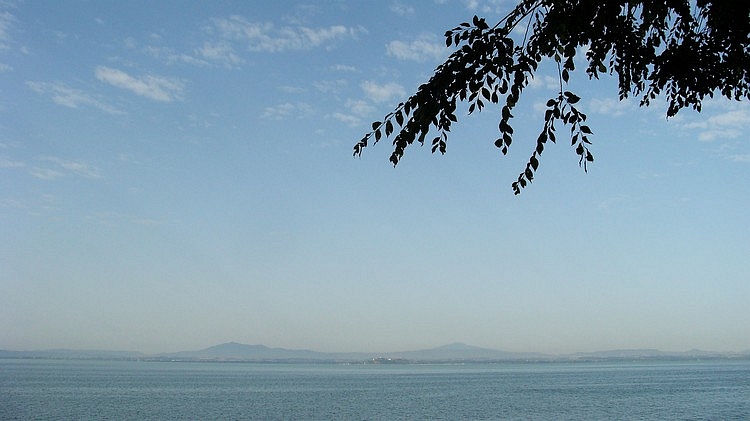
(174, 175)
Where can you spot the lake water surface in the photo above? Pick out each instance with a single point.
(64, 389)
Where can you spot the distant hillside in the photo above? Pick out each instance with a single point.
(645, 354)
(238, 351)
(455, 352)
(233, 351)
(458, 351)
(73, 354)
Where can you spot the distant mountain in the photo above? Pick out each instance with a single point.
(237, 351)
(458, 351)
(233, 351)
(455, 352)
(646, 354)
(73, 354)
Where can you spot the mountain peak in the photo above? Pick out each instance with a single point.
(457, 346)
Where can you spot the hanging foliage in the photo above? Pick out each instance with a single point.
(684, 50)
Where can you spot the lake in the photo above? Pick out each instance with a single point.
(85, 389)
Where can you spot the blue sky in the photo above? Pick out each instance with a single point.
(179, 174)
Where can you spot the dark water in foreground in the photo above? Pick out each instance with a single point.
(58, 389)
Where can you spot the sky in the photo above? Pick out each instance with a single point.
(175, 175)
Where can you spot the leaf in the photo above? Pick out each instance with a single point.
(388, 128)
(534, 162)
(436, 144)
(480, 23)
(571, 97)
(586, 129)
(504, 87)
(505, 127)
(506, 113)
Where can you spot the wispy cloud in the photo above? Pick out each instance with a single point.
(295, 90)
(488, 6)
(170, 56)
(55, 167)
(425, 47)
(348, 119)
(361, 108)
(740, 158)
(356, 111)
(157, 88)
(45, 173)
(9, 163)
(229, 37)
(611, 106)
(730, 123)
(7, 21)
(546, 82)
(343, 68)
(70, 97)
(402, 9)
(331, 86)
(221, 52)
(382, 93)
(472, 4)
(166, 55)
(287, 110)
(265, 36)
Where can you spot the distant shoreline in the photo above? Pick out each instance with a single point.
(358, 359)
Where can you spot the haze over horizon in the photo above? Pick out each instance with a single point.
(180, 175)
(454, 350)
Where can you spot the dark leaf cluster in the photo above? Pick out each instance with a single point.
(684, 50)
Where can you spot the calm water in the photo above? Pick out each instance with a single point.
(46, 389)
